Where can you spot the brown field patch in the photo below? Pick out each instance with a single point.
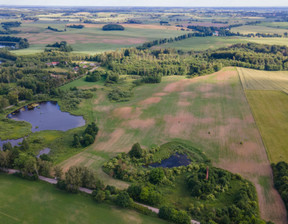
(160, 94)
(150, 100)
(183, 103)
(183, 123)
(141, 124)
(137, 26)
(51, 37)
(206, 87)
(225, 75)
(127, 112)
(113, 138)
(177, 86)
(103, 108)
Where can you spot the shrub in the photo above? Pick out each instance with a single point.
(112, 27)
(123, 200)
(156, 176)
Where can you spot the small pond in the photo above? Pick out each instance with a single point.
(173, 161)
(13, 142)
(43, 151)
(47, 116)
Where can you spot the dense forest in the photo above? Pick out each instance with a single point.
(280, 174)
(20, 42)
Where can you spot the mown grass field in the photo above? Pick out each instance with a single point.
(209, 111)
(44, 203)
(267, 95)
(91, 39)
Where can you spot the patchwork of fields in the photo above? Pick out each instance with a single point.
(92, 39)
(209, 111)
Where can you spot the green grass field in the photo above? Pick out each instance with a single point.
(44, 203)
(281, 25)
(270, 112)
(258, 29)
(203, 43)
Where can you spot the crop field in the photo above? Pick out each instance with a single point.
(267, 96)
(44, 203)
(92, 38)
(264, 80)
(270, 112)
(209, 111)
(258, 29)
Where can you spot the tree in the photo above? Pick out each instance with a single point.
(13, 97)
(26, 163)
(24, 145)
(3, 102)
(58, 172)
(7, 146)
(156, 175)
(44, 168)
(123, 200)
(73, 179)
(76, 141)
(100, 196)
(5, 158)
(136, 151)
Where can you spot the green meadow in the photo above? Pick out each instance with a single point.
(44, 203)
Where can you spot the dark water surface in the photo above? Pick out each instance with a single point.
(13, 142)
(47, 116)
(43, 151)
(173, 161)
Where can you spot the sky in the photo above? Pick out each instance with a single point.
(206, 3)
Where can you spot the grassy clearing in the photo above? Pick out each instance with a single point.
(81, 83)
(46, 204)
(209, 111)
(270, 112)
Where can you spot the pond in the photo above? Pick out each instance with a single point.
(173, 161)
(13, 142)
(43, 151)
(47, 116)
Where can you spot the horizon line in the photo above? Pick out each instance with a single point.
(275, 6)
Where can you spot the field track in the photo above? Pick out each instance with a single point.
(210, 111)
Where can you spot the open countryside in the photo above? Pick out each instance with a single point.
(143, 114)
